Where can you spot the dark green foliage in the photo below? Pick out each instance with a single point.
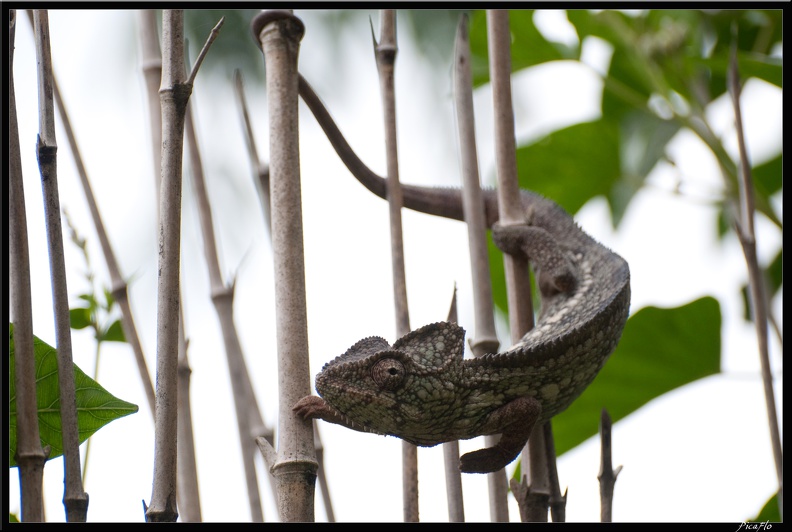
(660, 350)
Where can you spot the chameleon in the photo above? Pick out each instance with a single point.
(421, 389)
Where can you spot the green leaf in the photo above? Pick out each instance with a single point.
(109, 299)
(660, 350)
(572, 165)
(114, 333)
(767, 177)
(96, 407)
(80, 318)
(769, 512)
(775, 273)
(643, 137)
(89, 298)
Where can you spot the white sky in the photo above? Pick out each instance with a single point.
(698, 454)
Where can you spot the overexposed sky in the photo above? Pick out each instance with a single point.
(698, 454)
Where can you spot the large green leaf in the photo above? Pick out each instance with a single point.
(572, 165)
(96, 407)
(767, 177)
(660, 350)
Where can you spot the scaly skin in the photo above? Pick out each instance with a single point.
(423, 391)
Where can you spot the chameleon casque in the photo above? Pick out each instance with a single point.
(421, 389)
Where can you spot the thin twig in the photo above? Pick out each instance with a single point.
(74, 499)
(260, 170)
(30, 457)
(747, 236)
(209, 40)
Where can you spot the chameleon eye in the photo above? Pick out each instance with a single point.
(388, 373)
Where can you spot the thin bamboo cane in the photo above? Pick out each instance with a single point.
(486, 339)
(29, 454)
(75, 499)
(385, 52)
(518, 284)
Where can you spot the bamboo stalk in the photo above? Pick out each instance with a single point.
(223, 299)
(486, 339)
(262, 173)
(261, 170)
(454, 498)
(187, 477)
(385, 52)
(187, 492)
(151, 64)
(607, 475)
(75, 499)
(29, 454)
(518, 284)
(279, 34)
(174, 94)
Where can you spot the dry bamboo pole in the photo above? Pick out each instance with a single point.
(454, 498)
(486, 339)
(187, 477)
(187, 492)
(607, 475)
(510, 212)
(385, 53)
(758, 299)
(174, 94)
(151, 65)
(279, 34)
(557, 501)
(223, 298)
(30, 456)
(75, 499)
(261, 170)
(262, 174)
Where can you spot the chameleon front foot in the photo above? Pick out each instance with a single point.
(515, 421)
(557, 274)
(312, 407)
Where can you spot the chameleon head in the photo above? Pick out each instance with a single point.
(400, 390)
